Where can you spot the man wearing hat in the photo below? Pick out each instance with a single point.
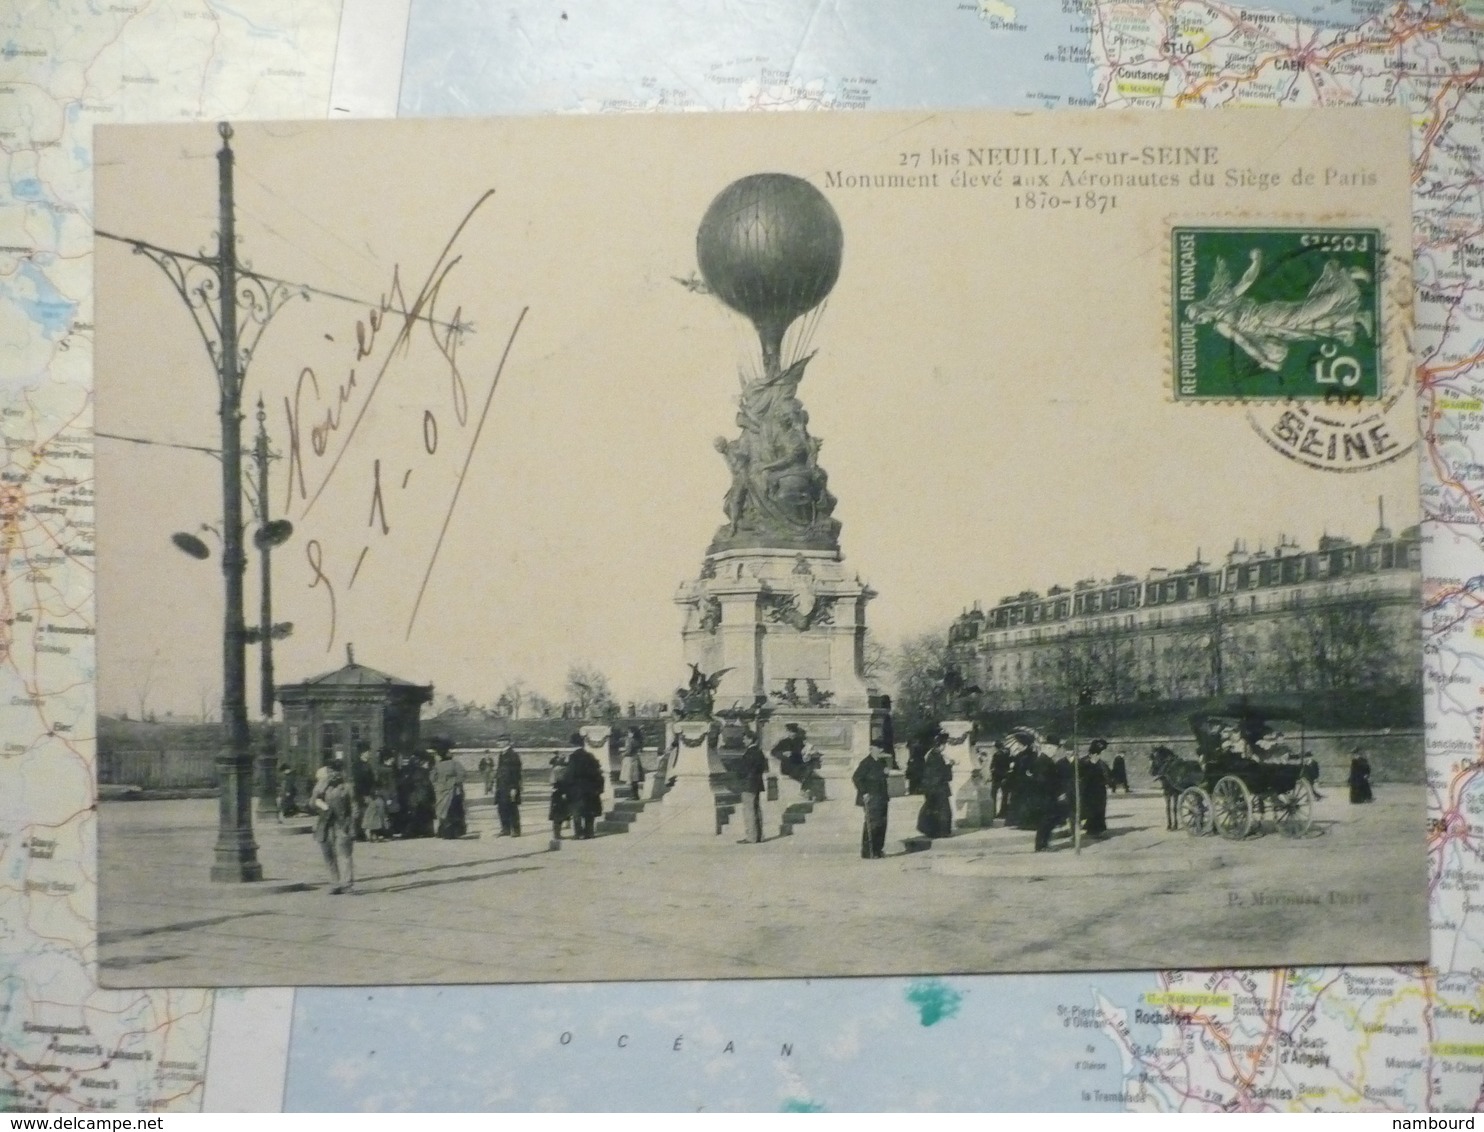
(999, 780)
(789, 751)
(585, 779)
(1360, 778)
(1051, 787)
(507, 788)
(334, 825)
(751, 769)
(871, 793)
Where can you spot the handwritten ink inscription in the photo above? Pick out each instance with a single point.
(412, 346)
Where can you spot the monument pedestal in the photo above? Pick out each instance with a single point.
(971, 796)
(788, 627)
(690, 805)
(598, 739)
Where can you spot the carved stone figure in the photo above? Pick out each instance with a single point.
(697, 698)
(770, 247)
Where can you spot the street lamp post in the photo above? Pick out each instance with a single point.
(213, 289)
(270, 533)
(236, 854)
(231, 306)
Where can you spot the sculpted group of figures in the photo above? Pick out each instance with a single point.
(377, 799)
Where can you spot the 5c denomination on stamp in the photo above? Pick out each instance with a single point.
(1276, 313)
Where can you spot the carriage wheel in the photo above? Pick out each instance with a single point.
(1231, 808)
(1194, 811)
(1293, 810)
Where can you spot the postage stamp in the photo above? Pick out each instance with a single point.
(1276, 313)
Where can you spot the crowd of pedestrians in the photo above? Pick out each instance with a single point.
(388, 796)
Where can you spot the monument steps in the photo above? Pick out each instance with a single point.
(795, 814)
(728, 799)
(837, 822)
(625, 812)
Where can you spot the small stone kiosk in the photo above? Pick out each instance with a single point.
(775, 615)
(335, 712)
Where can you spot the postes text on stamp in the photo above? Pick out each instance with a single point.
(1276, 313)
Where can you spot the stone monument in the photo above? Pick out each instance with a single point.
(774, 613)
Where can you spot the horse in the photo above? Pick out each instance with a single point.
(1175, 775)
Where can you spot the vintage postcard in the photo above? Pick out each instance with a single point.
(713, 546)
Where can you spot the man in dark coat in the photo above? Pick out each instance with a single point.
(585, 779)
(507, 788)
(799, 760)
(1118, 776)
(751, 770)
(1309, 772)
(362, 786)
(872, 795)
(789, 751)
(1048, 807)
(999, 780)
(1066, 777)
(1360, 778)
(416, 786)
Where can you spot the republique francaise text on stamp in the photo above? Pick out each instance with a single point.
(1276, 313)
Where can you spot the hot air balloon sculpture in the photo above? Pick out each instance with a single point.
(769, 247)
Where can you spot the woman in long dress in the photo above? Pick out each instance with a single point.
(630, 769)
(935, 819)
(448, 796)
(560, 810)
(383, 796)
(421, 808)
(1360, 779)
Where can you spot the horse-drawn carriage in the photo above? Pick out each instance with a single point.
(1247, 773)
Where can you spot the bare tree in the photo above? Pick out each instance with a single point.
(510, 700)
(875, 658)
(207, 694)
(932, 683)
(1345, 643)
(144, 678)
(588, 692)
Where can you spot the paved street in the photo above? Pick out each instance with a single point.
(653, 905)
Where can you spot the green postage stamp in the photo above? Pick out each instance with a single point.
(1276, 313)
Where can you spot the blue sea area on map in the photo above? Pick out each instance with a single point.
(983, 1042)
(26, 188)
(46, 306)
(461, 59)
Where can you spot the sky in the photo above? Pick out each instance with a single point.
(990, 383)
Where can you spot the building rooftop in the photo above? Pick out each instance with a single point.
(1280, 557)
(358, 675)
(353, 675)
